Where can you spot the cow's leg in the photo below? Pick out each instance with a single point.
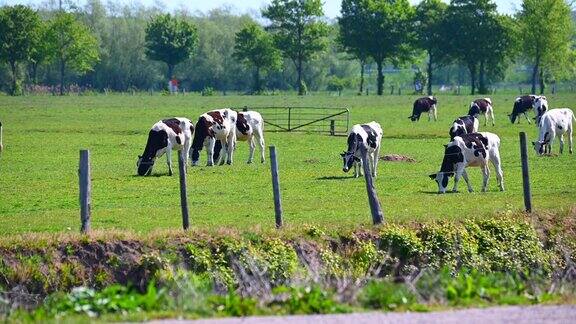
(492, 116)
(486, 175)
(231, 141)
(169, 157)
(457, 174)
(430, 114)
(186, 153)
(375, 156)
(496, 162)
(570, 140)
(486, 119)
(465, 176)
(435, 113)
(260, 138)
(562, 144)
(252, 145)
(210, 151)
(527, 118)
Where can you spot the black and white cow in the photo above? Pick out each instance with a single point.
(554, 122)
(212, 126)
(422, 105)
(165, 136)
(474, 149)
(464, 125)
(540, 107)
(521, 106)
(482, 107)
(249, 128)
(370, 135)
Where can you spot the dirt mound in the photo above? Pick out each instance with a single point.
(397, 158)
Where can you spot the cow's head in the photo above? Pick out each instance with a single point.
(441, 179)
(512, 117)
(144, 165)
(414, 118)
(348, 159)
(540, 147)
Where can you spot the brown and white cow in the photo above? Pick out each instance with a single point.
(215, 125)
(249, 128)
(484, 107)
(165, 136)
(474, 149)
(422, 105)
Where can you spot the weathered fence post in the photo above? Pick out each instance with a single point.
(525, 173)
(183, 191)
(276, 186)
(332, 127)
(375, 208)
(85, 190)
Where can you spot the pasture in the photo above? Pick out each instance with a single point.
(42, 136)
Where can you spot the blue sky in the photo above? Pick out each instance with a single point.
(331, 7)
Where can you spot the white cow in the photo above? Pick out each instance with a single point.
(474, 149)
(165, 136)
(215, 125)
(554, 122)
(371, 136)
(249, 128)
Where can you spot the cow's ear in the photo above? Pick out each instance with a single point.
(432, 176)
(445, 145)
(343, 154)
(356, 159)
(139, 156)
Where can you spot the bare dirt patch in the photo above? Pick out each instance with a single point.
(397, 158)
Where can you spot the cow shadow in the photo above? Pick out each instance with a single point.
(335, 178)
(448, 192)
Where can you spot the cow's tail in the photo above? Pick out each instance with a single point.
(573, 117)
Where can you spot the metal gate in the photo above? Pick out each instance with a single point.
(333, 121)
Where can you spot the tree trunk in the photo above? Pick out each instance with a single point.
(472, 69)
(430, 71)
(482, 81)
(257, 86)
(362, 66)
(170, 71)
(14, 77)
(542, 82)
(62, 70)
(535, 74)
(301, 91)
(380, 78)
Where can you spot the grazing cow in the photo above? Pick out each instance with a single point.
(213, 126)
(424, 104)
(521, 106)
(540, 107)
(482, 106)
(249, 128)
(370, 135)
(474, 149)
(554, 122)
(165, 136)
(464, 125)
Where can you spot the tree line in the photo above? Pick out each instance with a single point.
(292, 45)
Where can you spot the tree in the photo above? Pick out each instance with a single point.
(40, 52)
(255, 48)
(382, 29)
(547, 30)
(19, 27)
(478, 37)
(72, 45)
(429, 20)
(170, 40)
(298, 31)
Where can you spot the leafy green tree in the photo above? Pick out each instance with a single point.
(298, 31)
(72, 45)
(429, 20)
(478, 37)
(547, 29)
(19, 26)
(40, 52)
(255, 48)
(381, 29)
(170, 40)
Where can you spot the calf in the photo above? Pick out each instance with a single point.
(425, 104)
(165, 136)
(213, 126)
(552, 123)
(521, 106)
(482, 106)
(249, 128)
(540, 107)
(474, 149)
(464, 125)
(367, 134)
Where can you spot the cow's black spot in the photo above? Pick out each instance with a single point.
(444, 180)
(452, 155)
(174, 124)
(178, 140)
(371, 135)
(242, 124)
(157, 140)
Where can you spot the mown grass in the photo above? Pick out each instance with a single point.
(42, 136)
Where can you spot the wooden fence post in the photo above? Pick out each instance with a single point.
(276, 187)
(183, 191)
(332, 127)
(85, 190)
(375, 208)
(525, 173)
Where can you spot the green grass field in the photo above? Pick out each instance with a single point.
(42, 136)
